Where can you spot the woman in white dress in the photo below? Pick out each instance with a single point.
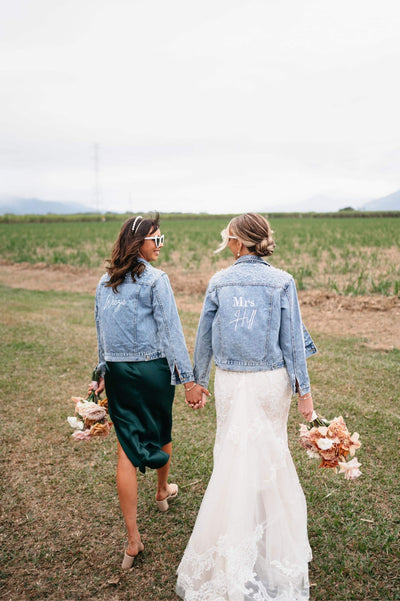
(250, 538)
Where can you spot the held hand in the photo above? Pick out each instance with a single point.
(196, 395)
(306, 406)
(100, 387)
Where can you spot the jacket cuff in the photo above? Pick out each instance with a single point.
(182, 378)
(302, 390)
(101, 369)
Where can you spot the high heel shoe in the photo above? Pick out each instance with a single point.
(128, 560)
(173, 493)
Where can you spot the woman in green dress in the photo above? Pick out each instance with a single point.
(142, 357)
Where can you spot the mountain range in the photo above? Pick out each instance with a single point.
(386, 203)
(36, 206)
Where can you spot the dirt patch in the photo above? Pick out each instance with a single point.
(374, 319)
(41, 276)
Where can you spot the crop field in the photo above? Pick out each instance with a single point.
(62, 534)
(347, 256)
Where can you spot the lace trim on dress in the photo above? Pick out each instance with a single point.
(227, 571)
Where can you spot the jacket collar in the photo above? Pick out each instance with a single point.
(250, 259)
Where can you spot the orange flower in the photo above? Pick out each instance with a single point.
(337, 428)
(329, 455)
(104, 403)
(77, 399)
(101, 430)
(329, 462)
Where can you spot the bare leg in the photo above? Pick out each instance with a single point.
(162, 474)
(127, 493)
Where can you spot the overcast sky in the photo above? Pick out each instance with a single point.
(208, 105)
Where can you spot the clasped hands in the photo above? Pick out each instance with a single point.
(195, 395)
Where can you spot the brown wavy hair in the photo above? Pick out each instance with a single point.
(125, 252)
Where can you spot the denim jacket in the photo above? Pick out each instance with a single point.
(140, 323)
(251, 321)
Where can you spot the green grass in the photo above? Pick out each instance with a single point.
(109, 216)
(62, 534)
(351, 256)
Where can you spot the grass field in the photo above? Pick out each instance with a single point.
(348, 256)
(62, 534)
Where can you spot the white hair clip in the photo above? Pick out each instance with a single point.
(134, 223)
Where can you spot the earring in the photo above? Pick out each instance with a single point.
(238, 253)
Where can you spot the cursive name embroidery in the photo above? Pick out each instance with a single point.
(244, 319)
(115, 303)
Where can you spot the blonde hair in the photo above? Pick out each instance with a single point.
(253, 230)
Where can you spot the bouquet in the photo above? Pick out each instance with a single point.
(90, 419)
(331, 442)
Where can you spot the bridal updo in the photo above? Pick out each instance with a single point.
(253, 230)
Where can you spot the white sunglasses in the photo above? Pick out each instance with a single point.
(158, 240)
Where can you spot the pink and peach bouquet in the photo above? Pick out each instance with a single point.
(331, 442)
(90, 419)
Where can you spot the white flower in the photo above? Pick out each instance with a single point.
(311, 454)
(75, 423)
(304, 430)
(350, 469)
(324, 443)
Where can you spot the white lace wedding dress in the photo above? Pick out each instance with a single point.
(249, 542)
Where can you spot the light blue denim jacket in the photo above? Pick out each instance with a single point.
(251, 321)
(140, 323)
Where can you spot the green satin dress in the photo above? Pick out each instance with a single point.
(140, 397)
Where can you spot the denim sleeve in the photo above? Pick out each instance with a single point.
(291, 339)
(101, 366)
(309, 345)
(203, 346)
(170, 329)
